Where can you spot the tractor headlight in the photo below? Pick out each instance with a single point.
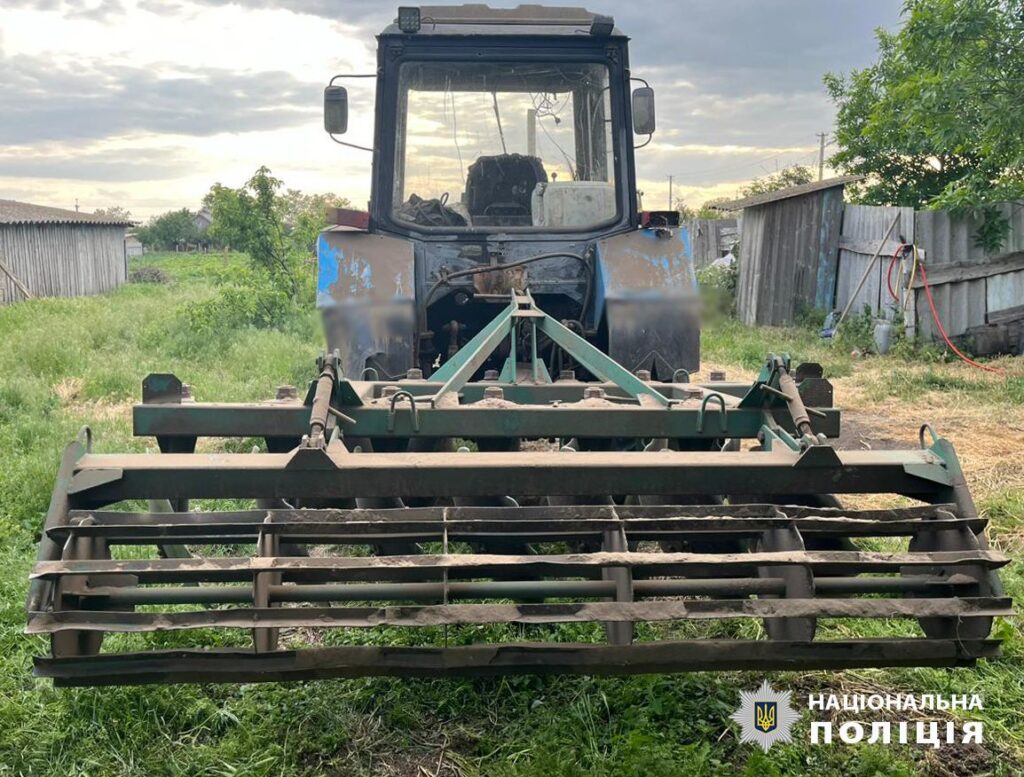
(409, 18)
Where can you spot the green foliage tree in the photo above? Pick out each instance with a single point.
(938, 120)
(114, 212)
(304, 215)
(169, 229)
(794, 175)
(705, 211)
(277, 230)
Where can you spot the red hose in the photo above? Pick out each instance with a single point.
(935, 313)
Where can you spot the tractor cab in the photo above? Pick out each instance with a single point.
(495, 120)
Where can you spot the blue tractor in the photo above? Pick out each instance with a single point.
(503, 159)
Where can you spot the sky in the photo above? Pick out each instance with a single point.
(144, 104)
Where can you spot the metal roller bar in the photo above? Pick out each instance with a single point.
(541, 530)
(546, 512)
(498, 589)
(523, 614)
(114, 597)
(863, 561)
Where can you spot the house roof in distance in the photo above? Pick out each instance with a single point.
(14, 212)
(782, 194)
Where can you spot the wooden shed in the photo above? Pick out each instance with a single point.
(51, 252)
(789, 250)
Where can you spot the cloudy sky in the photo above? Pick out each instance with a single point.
(145, 103)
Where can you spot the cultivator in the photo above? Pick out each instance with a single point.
(521, 522)
(482, 482)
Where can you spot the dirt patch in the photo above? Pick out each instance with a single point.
(866, 432)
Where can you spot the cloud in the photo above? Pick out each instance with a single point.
(730, 46)
(124, 92)
(42, 102)
(349, 12)
(96, 10)
(117, 164)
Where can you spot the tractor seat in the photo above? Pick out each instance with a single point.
(499, 188)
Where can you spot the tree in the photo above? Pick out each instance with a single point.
(705, 212)
(794, 175)
(169, 230)
(278, 230)
(304, 215)
(114, 212)
(938, 120)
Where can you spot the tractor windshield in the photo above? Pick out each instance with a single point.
(504, 145)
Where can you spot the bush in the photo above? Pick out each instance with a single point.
(148, 275)
(718, 288)
(858, 332)
(248, 296)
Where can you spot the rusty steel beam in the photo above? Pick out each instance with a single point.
(531, 421)
(543, 523)
(317, 474)
(242, 665)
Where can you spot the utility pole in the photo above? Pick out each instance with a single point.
(670, 192)
(821, 154)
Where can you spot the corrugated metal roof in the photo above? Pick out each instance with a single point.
(782, 194)
(14, 212)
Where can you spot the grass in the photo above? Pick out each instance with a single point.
(64, 363)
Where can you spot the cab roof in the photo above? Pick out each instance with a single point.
(479, 19)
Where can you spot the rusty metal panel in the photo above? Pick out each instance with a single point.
(366, 290)
(647, 292)
(357, 265)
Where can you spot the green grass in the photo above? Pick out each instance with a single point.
(726, 340)
(64, 363)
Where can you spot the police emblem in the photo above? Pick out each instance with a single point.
(765, 716)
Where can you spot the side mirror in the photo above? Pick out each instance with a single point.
(643, 110)
(336, 110)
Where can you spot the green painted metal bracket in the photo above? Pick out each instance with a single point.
(946, 470)
(771, 434)
(722, 422)
(343, 394)
(457, 371)
(346, 395)
(598, 363)
(765, 393)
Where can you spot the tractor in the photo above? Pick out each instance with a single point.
(503, 461)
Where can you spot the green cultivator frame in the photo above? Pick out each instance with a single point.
(470, 518)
